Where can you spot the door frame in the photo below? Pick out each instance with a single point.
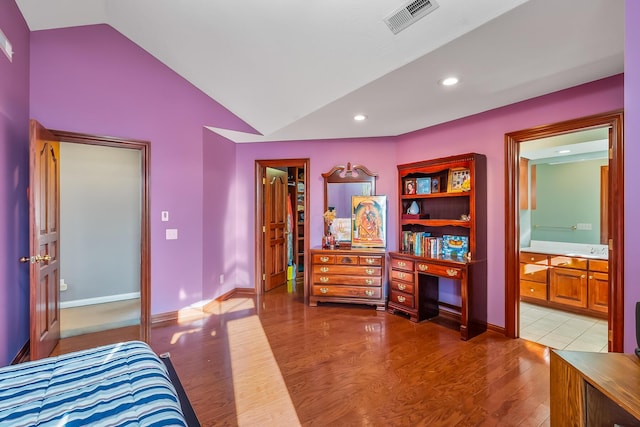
(261, 168)
(614, 121)
(145, 243)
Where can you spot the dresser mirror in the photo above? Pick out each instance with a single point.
(340, 184)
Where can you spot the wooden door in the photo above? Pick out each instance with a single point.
(44, 223)
(275, 220)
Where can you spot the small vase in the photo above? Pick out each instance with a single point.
(413, 208)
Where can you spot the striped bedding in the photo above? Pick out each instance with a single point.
(123, 384)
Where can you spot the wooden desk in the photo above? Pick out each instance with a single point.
(594, 389)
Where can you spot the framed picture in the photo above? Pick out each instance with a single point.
(341, 228)
(410, 186)
(459, 180)
(423, 185)
(369, 221)
(435, 185)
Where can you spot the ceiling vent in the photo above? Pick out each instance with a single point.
(409, 14)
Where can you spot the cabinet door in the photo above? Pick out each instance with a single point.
(568, 286)
(599, 292)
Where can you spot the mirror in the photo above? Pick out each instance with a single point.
(340, 183)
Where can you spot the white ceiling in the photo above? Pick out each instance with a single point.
(297, 70)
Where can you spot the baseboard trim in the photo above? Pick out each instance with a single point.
(496, 328)
(99, 300)
(197, 313)
(23, 354)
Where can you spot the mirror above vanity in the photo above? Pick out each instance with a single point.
(340, 184)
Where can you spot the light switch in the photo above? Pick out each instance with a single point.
(165, 216)
(171, 234)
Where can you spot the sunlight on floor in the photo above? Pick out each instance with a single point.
(261, 395)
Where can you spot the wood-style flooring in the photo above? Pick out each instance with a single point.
(274, 361)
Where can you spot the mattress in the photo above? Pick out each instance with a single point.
(123, 384)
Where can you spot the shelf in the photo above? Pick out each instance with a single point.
(435, 195)
(436, 222)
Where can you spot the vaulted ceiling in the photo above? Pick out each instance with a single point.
(301, 69)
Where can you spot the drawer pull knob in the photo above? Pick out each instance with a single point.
(401, 286)
(590, 277)
(324, 258)
(531, 290)
(401, 298)
(402, 264)
(324, 269)
(324, 290)
(401, 275)
(369, 260)
(369, 281)
(423, 267)
(369, 292)
(370, 271)
(324, 279)
(533, 259)
(451, 272)
(583, 276)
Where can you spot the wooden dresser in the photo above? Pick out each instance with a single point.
(355, 276)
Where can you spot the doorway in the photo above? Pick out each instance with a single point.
(614, 244)
(130, 305)
(299, 196)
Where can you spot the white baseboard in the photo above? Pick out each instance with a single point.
(99, 300)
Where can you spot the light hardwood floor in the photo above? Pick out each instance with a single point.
(274, 361)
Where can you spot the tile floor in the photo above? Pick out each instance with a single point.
(562, 330)
(99, 317)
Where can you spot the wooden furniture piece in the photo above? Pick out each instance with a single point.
(594, 389)
(348, 276)
(576, 284)
(297, 194)
(447, 209)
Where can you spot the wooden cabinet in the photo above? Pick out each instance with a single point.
(576, 284)
(353, 275)
(444, 239)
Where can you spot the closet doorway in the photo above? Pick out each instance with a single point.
(613, 123)
(271, 240)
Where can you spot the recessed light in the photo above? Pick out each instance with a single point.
(449, 81)
(563, 151)
(359, 117)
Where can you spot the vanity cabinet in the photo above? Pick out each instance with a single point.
(576, 284)
(352, 275)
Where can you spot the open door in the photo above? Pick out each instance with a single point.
(275, 214)
(44, 244)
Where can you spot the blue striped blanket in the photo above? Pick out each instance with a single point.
(122, 384)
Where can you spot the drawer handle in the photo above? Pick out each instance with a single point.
(451, 272)
(402, 287)
(369, 281)
(401, 275)
(531, 290)
(402, 264)
(324, 269)
(369, 292)
(369, 260)
(370, 271)
(583, 276)
(401, 298)
(324, 258)
(324, 290)
(423, 267)
(590, 277)
(324, 279)
(533, 259)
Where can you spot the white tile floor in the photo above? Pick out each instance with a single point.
(562, 330)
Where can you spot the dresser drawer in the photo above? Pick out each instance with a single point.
(406, 276)
(328, 279)
(346, 291)
(402, 299)
(532, 258)
(601, 265)
(370, 260)
(533, 272)
(324, 259)
(402, 264)
(569, 262)
(439, 270)
(533, 290)
(402, 287)
(355, 270)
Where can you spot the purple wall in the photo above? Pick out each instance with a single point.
(632, 171)
(14, 176)
(484, 133)
(94, 80)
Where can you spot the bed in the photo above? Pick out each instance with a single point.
(124, 384)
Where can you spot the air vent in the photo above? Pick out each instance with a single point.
(408, 14)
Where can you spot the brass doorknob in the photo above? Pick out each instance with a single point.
(34, 259)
